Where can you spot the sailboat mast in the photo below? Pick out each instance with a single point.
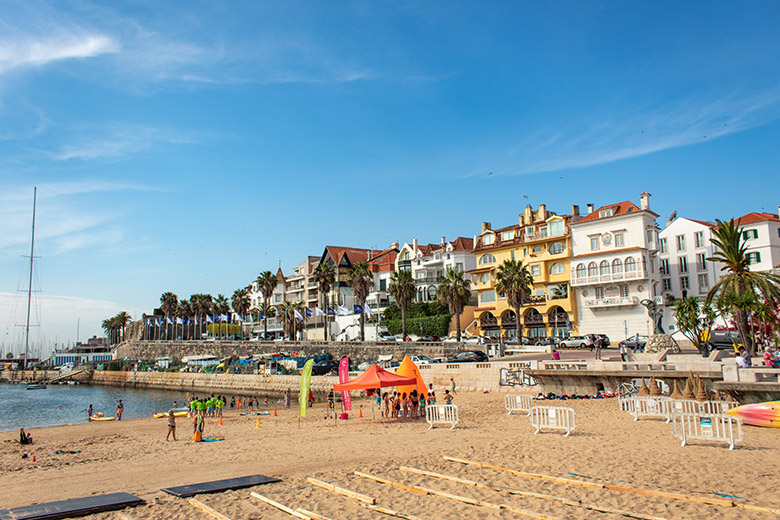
(29, 288)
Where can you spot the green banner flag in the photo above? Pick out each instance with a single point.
(303, 397)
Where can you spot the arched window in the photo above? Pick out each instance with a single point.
(593, 270)
(431, 293)
(617, 266)
(604, 268)
(557, 268)
(630, 265)
(487, 259)
(556, 248)
(406, 256)
(580, 270)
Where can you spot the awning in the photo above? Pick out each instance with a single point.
(375, 377)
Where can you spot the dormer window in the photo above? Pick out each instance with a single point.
(529, 232)
(507, 235)
(605, 213)
(488, 239)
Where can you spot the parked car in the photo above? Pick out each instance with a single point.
(426, 339)
(546, 341)
(469, 356)
(389, 365)
(324, 367)
(604, 338)
(724, 339)
(385, 337)
(634, 343)
(576, 342)
(421, 360)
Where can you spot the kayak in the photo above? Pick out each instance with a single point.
(96, 418)
(175, 414)
(758, 414)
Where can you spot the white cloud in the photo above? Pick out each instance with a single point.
(114, 140)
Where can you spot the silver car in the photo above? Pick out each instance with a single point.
(576, 342)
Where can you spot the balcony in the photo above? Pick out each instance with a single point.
(617, 301)
(426, 280)
(604, 278)
(536, 300)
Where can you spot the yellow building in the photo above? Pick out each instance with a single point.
(542, 240)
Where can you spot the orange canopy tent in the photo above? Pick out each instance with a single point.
(375, 377)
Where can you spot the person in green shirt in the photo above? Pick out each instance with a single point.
(220, 404)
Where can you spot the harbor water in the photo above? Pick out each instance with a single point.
(67, 404)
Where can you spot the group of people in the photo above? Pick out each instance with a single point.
(772, 358)
(403, 405)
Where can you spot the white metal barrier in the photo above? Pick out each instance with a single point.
(651, 406)
(708, 426)
(441, 414)
(557, 417)
(517, 403)
(716, 406)
(626, 403)
(684, 406)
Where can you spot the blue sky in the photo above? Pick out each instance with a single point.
(187, 146)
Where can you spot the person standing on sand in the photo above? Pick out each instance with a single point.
(447, 397)
(453, 386)
(287, 397)
(431, 394)
(171, 426)
(120, 408)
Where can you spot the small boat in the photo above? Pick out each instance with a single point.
(100, 417)
(177, 412)
(36, 387)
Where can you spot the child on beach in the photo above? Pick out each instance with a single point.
(396, 404)
(453, 385)
(447, 397)
(422, 405)
(431, 394)
(120, 408)
(405, 404)
(387, 405)
(171, 426)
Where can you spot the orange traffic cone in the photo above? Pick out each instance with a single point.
(258, 423)
(274, 412)
(360, 414)
(220, 421)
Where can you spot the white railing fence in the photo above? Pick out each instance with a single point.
(554, 417)
(441, 414)
(651, 406)
(517, 403)
(708, 426)
(717, 406)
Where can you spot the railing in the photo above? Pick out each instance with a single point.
(651, 406)
(517, 403)
(617, 301)
(708, 426)
(555, 417)
(630, 275)
(427, 279)
(539, 299)
(441, 414)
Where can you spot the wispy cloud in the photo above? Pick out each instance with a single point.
(623, 135)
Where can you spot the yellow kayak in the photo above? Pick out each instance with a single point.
(175, 414)
(101, 418)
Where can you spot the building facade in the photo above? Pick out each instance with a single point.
(761, 231)
(542, 241)
(428, 263)
(614, 268)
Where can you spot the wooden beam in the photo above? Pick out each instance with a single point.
(390, 512)
(530, 494)
(529, 475)
(206, 509)
(280, 507)
(390, 482)
(310, 514)
(482, 503)
(341, 491)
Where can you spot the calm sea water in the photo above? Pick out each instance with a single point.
(67, 404)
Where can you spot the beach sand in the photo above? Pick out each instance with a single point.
(607, 447)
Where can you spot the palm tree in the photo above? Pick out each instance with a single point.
(183, 311)
(240, 302)
(169, 302)
(221, 306)
(290, 324)
(402, 289)
(514, 281)
(109, 327)
(201, 305)
(324, 276)
(454, 290)
(266, 284)
(361, 279)
(121, 320)
(739, 286)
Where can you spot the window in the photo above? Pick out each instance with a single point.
(617, 266)
(698, 239)
(599, 293)
(485, 278)
(383, 285)
(604, 268)
(459, 267)
(420, 275)
(556, 228)
(558, 291)
(704, 282)
(667, 284)
(593, 269)
(507, 235)
(406, 256)
(605, 213)
(624, 291)
(680, 241)
(487, 259)
(749, 233)
(664, 266)
(557, 268)
(580, 270)
(543, 232)
(556, 248)
(594, 243)
(537, 250)
(536, 270)
(662, 243)
(683, 264)
(620, 239)
(753, 258)
(630, 265)
(529, 233)
(487, 297)
(649, 235)
(701, 262)
(488, 239)
(512, 254)
(684, 283)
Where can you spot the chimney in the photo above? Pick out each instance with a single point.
(394, 245)
(414, 246)
(575, 210)
(443, 241)
(590, 208)
(542, 212)
(644, 201)
(485, 226)
(474, 243)
(529, 217)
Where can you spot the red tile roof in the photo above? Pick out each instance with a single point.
(459, 244)
(703, 222)
(620, 208)
(753, 217)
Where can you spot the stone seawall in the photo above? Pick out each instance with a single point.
(359, 351)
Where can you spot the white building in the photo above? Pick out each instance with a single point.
(614, 268)
(762, 233)
(429, 262)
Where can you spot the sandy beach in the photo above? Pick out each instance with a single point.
(607, 447)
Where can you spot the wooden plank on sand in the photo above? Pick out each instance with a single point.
(310, 514)
(341, 491)
(277, 505)
(390, 512)
(390, 482)
(482, 503)
(206, 509)
(530, 494)
(528, 475)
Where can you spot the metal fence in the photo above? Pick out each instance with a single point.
(708, 426)
(651, 406)
(517, 403)
(554, 417)
(441, 414)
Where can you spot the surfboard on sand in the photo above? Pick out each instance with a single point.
(758, 414)
(409, 369)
